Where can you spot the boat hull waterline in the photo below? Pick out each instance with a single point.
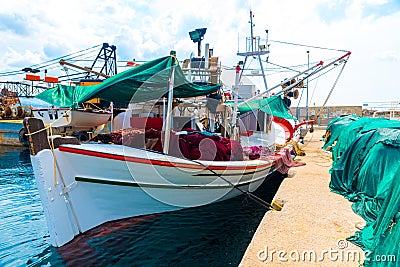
(101, 183)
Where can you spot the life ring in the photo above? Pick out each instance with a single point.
(23, 138)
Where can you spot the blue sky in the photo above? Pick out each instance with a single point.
(36, 31)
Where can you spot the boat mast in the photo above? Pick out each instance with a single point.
(251, 31)
(254, 49)
(167, 134)
(235, 135)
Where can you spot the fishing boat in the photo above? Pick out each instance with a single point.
(81, 123)
(11, 114)
(161, 159)
(106, 176)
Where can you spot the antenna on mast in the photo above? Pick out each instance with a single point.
(251, 31)
(255, 50)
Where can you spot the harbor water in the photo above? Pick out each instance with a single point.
(212, 235)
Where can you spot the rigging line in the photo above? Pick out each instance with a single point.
(310, 46)
(283, 67)
(71, 75)
(340, 73)
(78, 57)
(312, 95)
(301, 95)
(313, 62)
(256, 199)
(330, 92)
(301, 65)
(40, 65)
(11, 74)
(54, 59)
(334, 85)
(56, 63)
(224, 67)
(323, 73)
(86, 56)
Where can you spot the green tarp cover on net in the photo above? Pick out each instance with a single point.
(142, 83)
(336, 126)
(365, 170)
(356, 128)
(368, 174)
(380, 238)
(273, 105)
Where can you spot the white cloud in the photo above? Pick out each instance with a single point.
(144, 30)
(15, 59)
(388, 56)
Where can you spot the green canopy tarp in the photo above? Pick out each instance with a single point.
(142, 83)
(273, 105)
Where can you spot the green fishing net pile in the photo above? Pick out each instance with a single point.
(366, 171)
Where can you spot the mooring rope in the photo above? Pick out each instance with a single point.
(64, 184)
(57, 167)
(256, 199)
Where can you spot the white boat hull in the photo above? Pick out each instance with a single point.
(100, 183)
(78, 119)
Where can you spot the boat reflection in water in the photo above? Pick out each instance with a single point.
(216, 234)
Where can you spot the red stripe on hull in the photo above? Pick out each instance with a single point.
(156, 162)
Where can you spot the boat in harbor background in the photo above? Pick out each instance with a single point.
(81, 123)
(11, 114)
(17, 99)
(12, 133)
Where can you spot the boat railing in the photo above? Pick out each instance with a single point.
(202, 70)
